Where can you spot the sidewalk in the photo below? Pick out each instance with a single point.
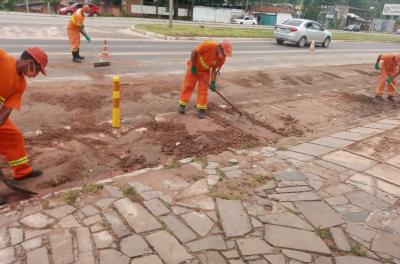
(332, 200)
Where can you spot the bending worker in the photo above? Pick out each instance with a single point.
(207, 59)
(12, 86)
(75, 28)
(389, 73)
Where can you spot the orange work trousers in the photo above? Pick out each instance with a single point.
(202, 78)
(74, 38)
(12, 147)
(380, 86)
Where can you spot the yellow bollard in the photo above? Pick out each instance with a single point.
(116, 111)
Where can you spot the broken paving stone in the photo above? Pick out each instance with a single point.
(198, 188)
(7, 255)
(168, 248)
(230, 254)
(379, 219)
(39, 255)
(61, 247)
(339, 189)
(289, 175)
(354, 260)
(176, 184)
(284, 184)
(112, 256)
(386, 172)
(353, 136)
(199, 222)
(136, 216)
(260, 261)
(231, 168)
(349, 160)
(69, 222)
(103, 240)
(332, 142)
(253, 246)
(134, 246)
(361, 231)
(275, 259)
(61, 211)
(212, 179)
(293, 189)
(105, 202)
(234, 219)
(298, 255)
(210, 171)
(322, 260)
(92, 220)
(117, 226)
(16, 235)
(212, 165)
(211, 257)
(287, 237)
(366, 201)
(268, 186)
(387, 243)
(311, 149)
(351, 213)
(379, 125)
(199, 202)
(89, 210)
(83, 239)
(255, 223)
(286, 219)
(291, 197)
(151, 259)
(32, 243)
(340, 239)
(156, 207)
(180, 230)
(37, 220)
(178, 210)
(295, 155)
(389, 188)
(319, 214)
(208, 243)
(233, 174)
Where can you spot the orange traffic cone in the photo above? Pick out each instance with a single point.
(104, 53)
(312, 46)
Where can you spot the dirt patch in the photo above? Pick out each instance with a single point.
(263, 78)
(308, 79)
(128, 164)
(368, 73)
(331, 75)
(289, 80)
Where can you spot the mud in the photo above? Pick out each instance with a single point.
(77, 144)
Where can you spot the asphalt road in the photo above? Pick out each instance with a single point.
(135, 54)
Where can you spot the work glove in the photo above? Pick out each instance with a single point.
(389, 79)
(88, 39)
(377, 66)
(213, 86)
(193, 70)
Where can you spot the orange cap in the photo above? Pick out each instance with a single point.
(227, 47)
(85, 9)
(40, 57)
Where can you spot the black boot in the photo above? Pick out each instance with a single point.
(2, 200)
(202, 113)
(181, 109)
(75, 57)
(379, 98)
(79, 56)
(34, 173)
(391, 98)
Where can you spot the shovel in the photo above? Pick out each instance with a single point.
(223, 97)
(15, 185)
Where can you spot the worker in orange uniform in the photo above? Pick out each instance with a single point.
(206, 60)
(12, 86)
(389, 73)
(75, 28)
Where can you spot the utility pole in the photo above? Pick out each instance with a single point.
(27, 6)
(48, 7)
(171, 12)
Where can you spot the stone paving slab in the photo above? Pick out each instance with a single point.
(180, 230)
(292, 197)
(350, 136)
(354, 260)
(295, 155)
(319, 214)
(234, 218)
(311, 149)
(291, 238)
(286, 219)
(349, 160)
(386, 172)
(367, 130)
(380, 125)
(366, 201)
(332, 142)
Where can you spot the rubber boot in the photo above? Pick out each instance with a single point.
(75, 57)
(379, 98)
(79, 56)
(202, 113)
(391, 98)
(34, 173)
(181, 109)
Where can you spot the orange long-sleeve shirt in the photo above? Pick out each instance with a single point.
(76, 20)
(207, 56)
(389, 62)
(12, 85)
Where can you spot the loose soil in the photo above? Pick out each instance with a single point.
(67, 126)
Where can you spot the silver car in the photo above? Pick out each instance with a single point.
(301, 32)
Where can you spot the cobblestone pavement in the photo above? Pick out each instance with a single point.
(332, 200)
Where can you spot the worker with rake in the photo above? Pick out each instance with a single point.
(12, 86)
(388, 75)
(75, 28)
(206, 60)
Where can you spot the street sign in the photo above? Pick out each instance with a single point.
(391, 10)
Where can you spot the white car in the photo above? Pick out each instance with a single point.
(247, 20)
(301, 32)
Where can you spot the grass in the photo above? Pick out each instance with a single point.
(323, 233)
(241, 32)
(132, 194)
(207, 31)
(174, 164)
(221, 174)
(260, 179)
(358, 250)
(197, 177)
(70, 197)
(91, 188)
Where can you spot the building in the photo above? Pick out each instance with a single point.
(272, 14)
(340, 16)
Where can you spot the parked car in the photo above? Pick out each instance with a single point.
(69, 10)
(301, 32)
(353, 27)
(247, 20)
